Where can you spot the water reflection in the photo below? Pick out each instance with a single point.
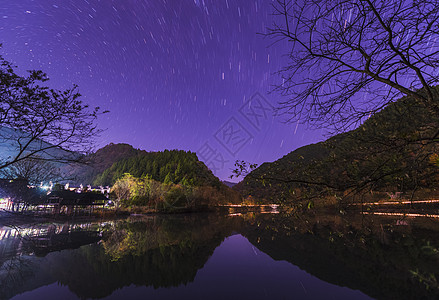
(383, 257)
(256, 256)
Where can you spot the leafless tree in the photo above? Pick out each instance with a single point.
(349, 59)
(39, 123)
(34, 171)
(346, 61)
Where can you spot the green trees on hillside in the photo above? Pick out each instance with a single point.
(164, 181)
(391, 152)
(175, 166)
(131, 191)
(354, 62)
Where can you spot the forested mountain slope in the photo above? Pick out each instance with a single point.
(394, 150)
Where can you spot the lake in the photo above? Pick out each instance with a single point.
(220, 256)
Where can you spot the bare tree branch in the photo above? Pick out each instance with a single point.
(346, 51)
(39, 123)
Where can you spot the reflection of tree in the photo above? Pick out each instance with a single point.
(22, 248)
(383, 261)
(12, 274)
(14, 267)
(158, 251)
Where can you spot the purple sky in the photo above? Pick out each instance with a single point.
(174, 74)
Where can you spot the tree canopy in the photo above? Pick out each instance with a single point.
(176, 166)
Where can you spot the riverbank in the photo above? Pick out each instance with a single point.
(29, 216)
(8, 218)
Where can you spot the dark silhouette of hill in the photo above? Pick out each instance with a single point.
(99, 161)
(229, 183)
(394, 150)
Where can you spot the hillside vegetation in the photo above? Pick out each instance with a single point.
(99, 161)
(393, 151)
(175, 166)
(167, 180)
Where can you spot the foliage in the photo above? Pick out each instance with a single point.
(364, 55)
(175, 166)
(242, 168)
(394, 150)
(131, 191)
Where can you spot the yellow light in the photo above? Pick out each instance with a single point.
(401, 214)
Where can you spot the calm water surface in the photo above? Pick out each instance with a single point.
(210, 256)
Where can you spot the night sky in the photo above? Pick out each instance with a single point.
(174, 74)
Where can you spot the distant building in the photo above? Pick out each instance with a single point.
(89, 188)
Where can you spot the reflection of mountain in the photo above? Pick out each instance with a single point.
(158, 252)
(379, 262)
(45, 238)
(380, 259)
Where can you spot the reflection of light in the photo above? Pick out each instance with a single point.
(400, 214)
(263, 208)
(233, 215)
(274, 206)
(4, 203)
(396, 203)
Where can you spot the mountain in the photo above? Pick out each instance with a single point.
(173, 166)
(393, 151)
(46, 163)
(105, 157)
(12, 139)
(169, 180)
(229, 183)
(111, 162)
(99, 161)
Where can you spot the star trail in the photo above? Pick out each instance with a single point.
(174, 74)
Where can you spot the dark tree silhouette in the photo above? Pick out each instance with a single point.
(348, 60)
(40, 123)
(351, 58)
(34, 171)
(242, 168)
